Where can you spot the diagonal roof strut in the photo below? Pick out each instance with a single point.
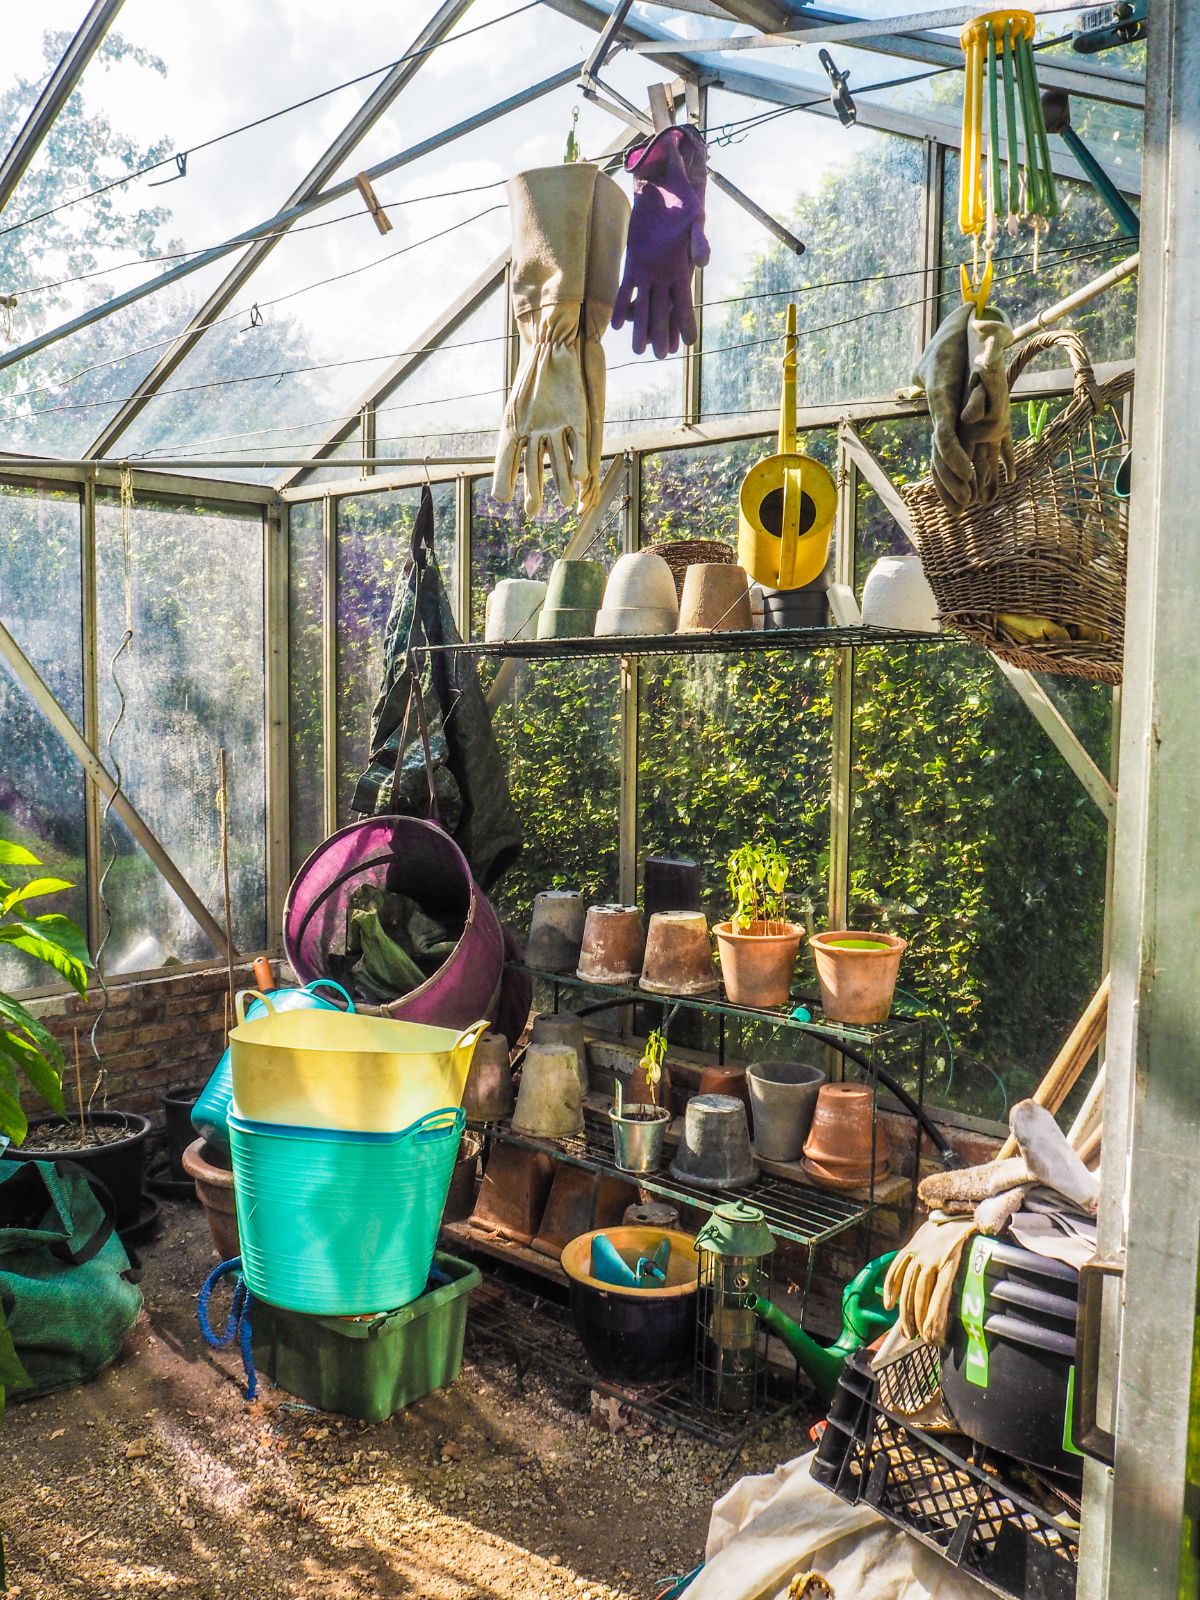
(368, 114)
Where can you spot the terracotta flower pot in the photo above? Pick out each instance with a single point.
(578, 1204)
(678, 956)
(613, 944)
(715, 1150)
(513, 1193)
(757, 966)
(511, 609)
(637, 1091)
(716, 598)
(837, 1152)
(489, 1094)
(573, 598)
(460, 1197)
(857, 973)
(725, 1080)
(565, 1030)
(555, 930)
(670, 883)
(639, 597)
(214, 1190)
(549, 1101)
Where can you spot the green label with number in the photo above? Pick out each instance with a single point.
(973, 1309)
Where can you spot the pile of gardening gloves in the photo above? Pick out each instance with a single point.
(1045, 1197)
(570, 225)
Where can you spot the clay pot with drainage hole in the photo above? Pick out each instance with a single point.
(844, 1132)
(579, 1201)
(573, 598)
(613, 944)
(724, 1078)
(715, 1150)
(783, 1096)
(565, 1030)
(651, 1214)
(716, 599)
(550, 1100)
(857, 973)
(678, 956)
(555, 930)
(489, 1094)
(639, 597)
(511, 610)
(757, 962)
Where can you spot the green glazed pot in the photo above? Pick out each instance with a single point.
(573, 598)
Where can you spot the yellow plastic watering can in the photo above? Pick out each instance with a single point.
(341, 1070)
(787, 501)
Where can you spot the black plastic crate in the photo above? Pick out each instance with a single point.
(964, 1506)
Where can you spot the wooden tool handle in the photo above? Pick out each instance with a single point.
(1070, 1061)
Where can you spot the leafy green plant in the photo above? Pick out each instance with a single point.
(757, 875)
(27, 1048)
(652, 1060)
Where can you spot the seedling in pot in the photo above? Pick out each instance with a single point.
(652, 1060)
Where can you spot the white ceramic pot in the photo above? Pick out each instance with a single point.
(897, 595)
(639, 596)
(511, 610)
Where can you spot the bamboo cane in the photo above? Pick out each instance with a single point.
(1063, 1074)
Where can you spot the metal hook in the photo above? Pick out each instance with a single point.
(840, 96)
(180, 172)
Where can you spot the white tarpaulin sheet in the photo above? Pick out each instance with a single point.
(768, 1530)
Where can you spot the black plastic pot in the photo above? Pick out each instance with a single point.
(177, 1118)
(1022, 1406)
(795, 608)
(635, 1338)
(120, 1166)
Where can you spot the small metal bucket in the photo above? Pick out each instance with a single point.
(638, 1135)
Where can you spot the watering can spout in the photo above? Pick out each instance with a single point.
(863, 1320)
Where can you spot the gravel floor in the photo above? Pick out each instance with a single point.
(159, 1479)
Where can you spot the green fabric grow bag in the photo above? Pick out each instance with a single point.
(374, 1366)
(341, 1224)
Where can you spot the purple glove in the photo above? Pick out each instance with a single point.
(666, 240)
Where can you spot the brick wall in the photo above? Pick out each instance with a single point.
(157, 1033)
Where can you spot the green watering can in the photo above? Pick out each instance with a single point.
(863, 1320)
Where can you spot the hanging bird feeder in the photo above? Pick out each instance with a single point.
(1000, 74)
(787, 501)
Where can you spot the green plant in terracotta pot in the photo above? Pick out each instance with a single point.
(759, 943)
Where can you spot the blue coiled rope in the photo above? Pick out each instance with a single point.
(237, 1326)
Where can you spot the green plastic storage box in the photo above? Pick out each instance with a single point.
(369, 1367)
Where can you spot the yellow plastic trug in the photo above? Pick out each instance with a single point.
(343, 1071)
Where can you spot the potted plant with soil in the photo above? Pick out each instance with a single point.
(758, 944)
(109, 1144)
(639, 1128)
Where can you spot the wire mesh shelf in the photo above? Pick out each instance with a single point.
(804, 1216)
(725, 642)
(537, 1332)
(896, 1030)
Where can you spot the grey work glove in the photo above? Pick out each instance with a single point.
(942, 374)
(547, 410)
(606, 245)
(985, 423)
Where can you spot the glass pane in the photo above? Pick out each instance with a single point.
(559, 728)
(856, 201)
(452, 403)
(189, 586)
(1082, 243)
(306, 678)
(373, 534)
(41, 792)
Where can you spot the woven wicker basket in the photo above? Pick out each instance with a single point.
(1051, 544)
(680, 554)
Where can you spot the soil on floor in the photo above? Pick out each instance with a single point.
(159, 1479)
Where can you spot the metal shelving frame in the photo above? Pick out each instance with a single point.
(723, 642)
